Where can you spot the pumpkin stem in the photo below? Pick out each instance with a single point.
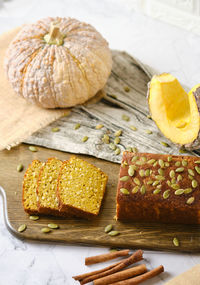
(54, 37)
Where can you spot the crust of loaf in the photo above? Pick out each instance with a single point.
(151, 207)
(73, 210)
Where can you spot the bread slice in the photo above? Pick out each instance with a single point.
(47, 200)
(29, 197)
(81, 188)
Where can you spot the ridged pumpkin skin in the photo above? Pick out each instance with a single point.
(52, 75)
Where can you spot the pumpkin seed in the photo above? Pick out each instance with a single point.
(179, 178)
(149, 182)
(197, 161)
(182, 150)
(143, 190)
(165, 144)
(190, 177)
(148, 116)
(113, 233)
(188, 190)
(172, 173)
(129, 149)
(117, 151)
(22, 228)
(32, 148)
(85, 138)
(141, 172)
(139, 162)
(143, 158)
(134, 158)
(34, 218)
(151, 171)
(190, 171)
(155, 183)
(180, 169)
(117, 140)
(161, 171)
(179, 192)
(133, 128)
(184, 162)
(156, 191)
(124, 178)
(53, 226)
(108, 228)
(20, 167)
(169, 158)
(126, 89)
(178, 163)
(159, 186)
(159, 177)
(77, 126)
(173, 180)
(45, 230)
(161, 163)
(168, 183)
(167, 164)
(175, 186)
(98, 127)
(166, 194)
(112, 146)
(131, 170)
(106, 139)
(125, 118)
(175, 241)
(155, 164)
(54, 130)
(151, 161)
(194, 183)
(118, 133)
(113, 96)
(190, 200)
(197, 169)
(136, 180)
(124, 191)
(147, 172)
(135, 189)
(149, 132)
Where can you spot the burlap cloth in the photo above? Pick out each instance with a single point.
(18, 118)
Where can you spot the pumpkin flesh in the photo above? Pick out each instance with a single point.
(174, 111)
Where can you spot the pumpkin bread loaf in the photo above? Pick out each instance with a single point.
(159, 188)
(81, 188)
(29, 197)
(47, 200)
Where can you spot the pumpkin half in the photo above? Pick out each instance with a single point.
(58, 62)
(175, 112)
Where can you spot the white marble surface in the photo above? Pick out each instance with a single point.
(164, 47)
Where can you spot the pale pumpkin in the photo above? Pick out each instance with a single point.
(58, 62)
(175, 112)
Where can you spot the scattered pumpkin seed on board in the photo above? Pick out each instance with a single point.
(53, 226)
(149, 132)
(182, 150)
(34, 218)
(106, 139)
(20, 167)
(112, 146)
(117, 140)
(175, 241)
(125, 118)
(126, 89)
(32, 148)
(54, 130)
(129, 148)
(100, 126)
(77, 126)
(113, 233)
(45, 230)
(149, 116)
(133, 128)
(108, 228)
(117, 151)
(118, 133)
(22, 228)
(85, 138)
(113, 96)
(165, 144)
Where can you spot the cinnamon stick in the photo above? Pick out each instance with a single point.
(85, 275)
(122, 275)
(105, 257)
(141, 278)
(135, 257)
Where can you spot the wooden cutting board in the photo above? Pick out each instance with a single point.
(77, 231)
